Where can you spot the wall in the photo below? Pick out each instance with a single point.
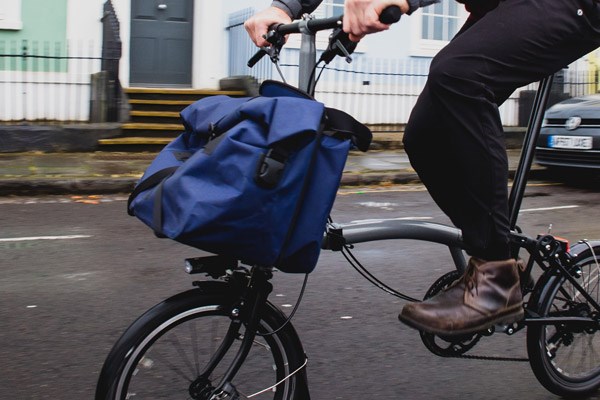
(43, 88)
(41, 20)
(43, 26)
(83, 21)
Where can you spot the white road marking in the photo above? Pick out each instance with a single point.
(377, 204)
(376, 220)
(548, 208)
(24, 239)
(80, 276)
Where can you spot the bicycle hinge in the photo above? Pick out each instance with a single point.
(334, 238)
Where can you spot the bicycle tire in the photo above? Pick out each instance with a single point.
(158, 356)
(564, 359)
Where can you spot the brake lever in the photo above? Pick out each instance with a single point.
(339, 45)
(277, 41)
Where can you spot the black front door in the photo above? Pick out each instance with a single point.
(161, 42)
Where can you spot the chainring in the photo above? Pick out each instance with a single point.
(445, 346)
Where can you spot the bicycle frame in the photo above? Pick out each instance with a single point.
(248, 289)
(551, 250)
(338, 235)
(450, 236)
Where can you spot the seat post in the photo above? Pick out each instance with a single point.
(533, 132)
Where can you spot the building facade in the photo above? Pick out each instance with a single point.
(194, 44)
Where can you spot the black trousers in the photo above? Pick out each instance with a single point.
(454, 137)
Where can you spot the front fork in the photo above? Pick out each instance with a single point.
(247, 311)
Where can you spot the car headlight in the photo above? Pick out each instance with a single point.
(544, 122)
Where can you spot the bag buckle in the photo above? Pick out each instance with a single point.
(270, 168)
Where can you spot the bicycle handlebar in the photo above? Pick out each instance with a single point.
(389, 15)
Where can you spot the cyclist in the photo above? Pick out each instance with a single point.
(454, 137)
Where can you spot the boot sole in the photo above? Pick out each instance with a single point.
(506, 318)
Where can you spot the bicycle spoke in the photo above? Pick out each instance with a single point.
(176, 343)
(158, 357)
(194, 340)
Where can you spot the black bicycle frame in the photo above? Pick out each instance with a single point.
(385, 229)
(533, 132)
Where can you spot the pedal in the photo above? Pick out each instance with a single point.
(509, 329)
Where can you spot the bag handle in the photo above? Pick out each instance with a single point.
(227, 121)
(342, 122)
(337, 120)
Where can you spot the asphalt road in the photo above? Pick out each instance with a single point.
(75, 272)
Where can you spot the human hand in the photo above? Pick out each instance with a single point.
(258, 25)
(361, 17)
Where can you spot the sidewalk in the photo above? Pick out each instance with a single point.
(103, 172)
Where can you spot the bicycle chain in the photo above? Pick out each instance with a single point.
(488, 358)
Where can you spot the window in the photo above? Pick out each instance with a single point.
(440, 21)
(330, 8)
(10, 14)
(436, 25)
(336, 8)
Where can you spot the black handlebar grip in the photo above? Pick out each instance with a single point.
(256, 57)
(390, 15)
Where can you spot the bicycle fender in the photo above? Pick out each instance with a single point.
(548, 278)
(582, 246)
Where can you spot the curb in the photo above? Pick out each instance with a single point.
(38, 187)
(87, 186)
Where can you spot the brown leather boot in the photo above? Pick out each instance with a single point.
(489, 293)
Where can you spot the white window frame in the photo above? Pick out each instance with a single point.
(427, 47)
(10, 15)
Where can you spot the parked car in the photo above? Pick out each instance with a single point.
(570, 135)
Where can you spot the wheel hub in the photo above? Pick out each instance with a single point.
(201, 388)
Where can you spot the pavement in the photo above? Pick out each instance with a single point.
(38, 173)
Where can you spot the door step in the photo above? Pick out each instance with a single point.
(154, 117)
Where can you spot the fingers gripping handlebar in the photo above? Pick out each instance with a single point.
(390, 15)
(276, 35)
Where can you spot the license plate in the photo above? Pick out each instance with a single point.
(570, 142)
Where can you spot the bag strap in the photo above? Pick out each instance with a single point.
(342, 122)
(157, 210)
(149, 183)
(305, 186)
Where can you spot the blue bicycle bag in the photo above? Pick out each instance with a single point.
(252, 178)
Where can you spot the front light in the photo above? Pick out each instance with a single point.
(544, 123)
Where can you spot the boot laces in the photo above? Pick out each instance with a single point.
(470, 278)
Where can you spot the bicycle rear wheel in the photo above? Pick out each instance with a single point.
(162, 355)
(566, 358)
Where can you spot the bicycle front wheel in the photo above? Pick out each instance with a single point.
(566, 358)
(164, 354)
